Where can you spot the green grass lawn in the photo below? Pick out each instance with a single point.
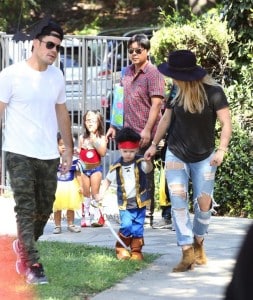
(77, 271)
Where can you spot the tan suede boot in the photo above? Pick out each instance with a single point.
(136, 246)
(187, 262)
(121, 252)
(200, 255)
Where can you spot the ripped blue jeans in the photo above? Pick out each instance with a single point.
(178, 175)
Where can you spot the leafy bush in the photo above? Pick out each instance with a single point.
(234, 178)
(207, 37)
(239, 15)
(235, 181)
(240, 94)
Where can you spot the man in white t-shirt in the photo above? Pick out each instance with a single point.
(32, 93)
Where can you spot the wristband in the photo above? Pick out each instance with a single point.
(223, 149)
(153, 143)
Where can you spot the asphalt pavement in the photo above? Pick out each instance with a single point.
(157, 281)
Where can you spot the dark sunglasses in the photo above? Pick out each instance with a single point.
(136, 50)
(51, 45)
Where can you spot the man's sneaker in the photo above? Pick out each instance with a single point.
(16, 247)
(35, 275)
(21, 267)
(162, 224)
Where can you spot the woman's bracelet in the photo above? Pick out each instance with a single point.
(223, 149)
(154, 144)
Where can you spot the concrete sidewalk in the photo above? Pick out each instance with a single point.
(158, 282)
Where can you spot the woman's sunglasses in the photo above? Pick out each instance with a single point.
(136, 50)
(51, 45)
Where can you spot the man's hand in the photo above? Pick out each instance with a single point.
(67, 157)
(111, 133)
(145, 138)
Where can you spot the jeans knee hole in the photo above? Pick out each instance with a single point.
(177, 190)
(174, 165)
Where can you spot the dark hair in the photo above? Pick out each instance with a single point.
(52, 29)
(58, 137)
(100, 123)
(141, 39)
(127, 134)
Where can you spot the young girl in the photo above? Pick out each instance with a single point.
(92, 146)
(68, 194)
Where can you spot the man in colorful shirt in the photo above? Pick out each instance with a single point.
(144, 91)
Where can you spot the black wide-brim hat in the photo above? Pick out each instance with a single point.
(181, 65)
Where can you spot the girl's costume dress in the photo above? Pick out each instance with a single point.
(67, 194)
(90, 161)
(89, 157)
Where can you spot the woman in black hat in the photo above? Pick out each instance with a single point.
(191, 153)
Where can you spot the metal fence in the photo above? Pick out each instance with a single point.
(91, 66)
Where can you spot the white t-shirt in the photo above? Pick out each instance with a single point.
(31, 123)
(129, 178)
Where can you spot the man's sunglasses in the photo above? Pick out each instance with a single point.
(51, 45)
(136, 50)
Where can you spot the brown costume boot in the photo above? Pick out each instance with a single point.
(136, 246)
(121, 252)
(187, 262)
(200, 256)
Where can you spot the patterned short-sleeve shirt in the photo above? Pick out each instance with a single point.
(138, 90)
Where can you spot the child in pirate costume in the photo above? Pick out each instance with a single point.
(129, 174)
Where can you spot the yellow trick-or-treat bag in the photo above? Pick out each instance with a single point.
(160, 183)
(163, 199)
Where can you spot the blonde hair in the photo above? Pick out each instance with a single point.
(191, 94)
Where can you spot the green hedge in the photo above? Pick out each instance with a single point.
(234, 178)
(207, 37)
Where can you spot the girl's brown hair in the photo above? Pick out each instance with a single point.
(100, 123)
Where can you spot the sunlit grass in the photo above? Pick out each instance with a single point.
(76, 271)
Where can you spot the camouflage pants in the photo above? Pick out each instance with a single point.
(33, 182)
